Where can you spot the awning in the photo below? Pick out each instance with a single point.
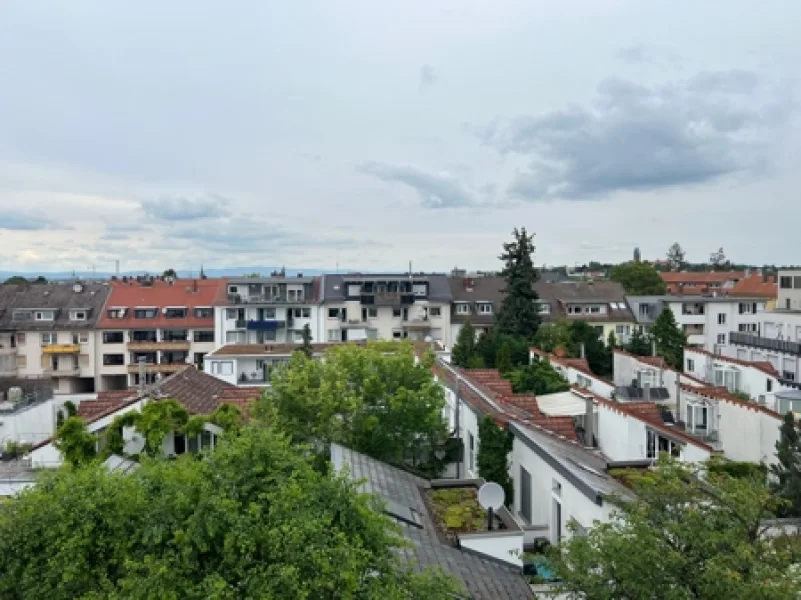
(562, 404)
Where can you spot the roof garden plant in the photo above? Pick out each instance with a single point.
(458, 510)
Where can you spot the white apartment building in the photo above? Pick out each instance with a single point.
(47, 331)
(165, 323)
(265, 310)
(776, 336)
(706, 320)
(412, 306)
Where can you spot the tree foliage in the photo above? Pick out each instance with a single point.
(306, 348)
(538, 378)
(253, 520)
(682, 537)
(670, 340)
(493, 455)
(786, 472)
(598, 355)
(76, 444)
(519, 314)
(464, 350)
(638, 279)
(639, 343)
(372, 398)
(675, 256)
(553, 335)
(718, 260)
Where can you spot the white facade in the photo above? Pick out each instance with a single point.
(243, 369)
(350, 321)
(29, 424)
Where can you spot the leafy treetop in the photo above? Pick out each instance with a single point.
(670, 340)
(638, 279)
(519, 314)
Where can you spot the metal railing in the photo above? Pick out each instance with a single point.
(756, 341)
(38, 396)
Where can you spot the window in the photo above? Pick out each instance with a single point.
(112, 337)
(396, 313)
(372, 313)
(690, 364)
(49, 338)
(174, 312)
(230, 313)
(199, 359)
(20, 339)
(113, 360)
(572, 309)
(697, 417)
(144, 313)
(471, 448)
(721, 318)
(485, 309)
(174, 335)
(747, 327)
(397, 334)
(786, 283)
(333, 313)
(115, 313)
(234, 337)
(595, 310)
(463, 308)
(203, 336)
(721, 338)
(222, 367)
(622, 329)
(78, 315)
(419, 289)
(545, 308)
(769, 385)
(44, 315)
(434, 311)
(334, 335)
(232, 289)
(525, 495)
(297, 336)
(748, 308)
(80, 338)
(204, 312)
(299, 313)
(797, 282)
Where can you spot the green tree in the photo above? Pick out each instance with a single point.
(489, 347)
(786, 472)
(170, 273)
(464, 350)
(718, 261)
(76, 444)
(553, 335)
(675, 256)
(670, 340)
(611, 341)
(598, 355)
(503, 359)
(683, 536)
(307, 341)
(372, 398)
(639, 343)
(638, 279)
(493, 455)
(253, 520)
(538, 378)
(15, 280)
(157, 419)
(519, 315)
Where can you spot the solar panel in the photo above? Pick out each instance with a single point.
(403, 513)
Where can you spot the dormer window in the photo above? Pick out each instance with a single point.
(463, 308)
(484, 308)
(574, 309)
(204, 312)
(44, 315)
(544, 308)
(116, 313)
(145, 313)
(77, 315)
(175, 312)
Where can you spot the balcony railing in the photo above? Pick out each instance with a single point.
(62, 371)
(756, 341)
(61, 349)
(159, 367)
(416, 324)
(264, 324)
(148, 346)
(7, 351)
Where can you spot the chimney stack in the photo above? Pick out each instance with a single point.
(589, 421)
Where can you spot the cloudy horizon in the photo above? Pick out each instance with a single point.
(315, 134)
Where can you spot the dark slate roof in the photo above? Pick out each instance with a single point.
(482, 578)
(477, 289)
(334, 285)
(558, 295)
(60, 297)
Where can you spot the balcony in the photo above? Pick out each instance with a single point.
(6, 351)
(263, 325)
(417, 324)
(152, 346)
(763, 343)
(159, 367)
(387, 298)
(8, 370)
(62, 371)
(61, 349)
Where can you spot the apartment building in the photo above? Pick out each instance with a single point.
(776, 335)
(602, 304)
(412, 306)
(167, 323)
(265, 310)
(706, 320)
(700, 282)
(476, 299)
(47, 330)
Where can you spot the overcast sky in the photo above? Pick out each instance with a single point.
(368, 134)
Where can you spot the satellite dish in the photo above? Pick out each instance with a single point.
(491, 496)
(77, 288)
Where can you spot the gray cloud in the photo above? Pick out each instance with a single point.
(649, 55)
(436, 190)
(181, 208)
(428, 77)
(26, 221)
(640, 138)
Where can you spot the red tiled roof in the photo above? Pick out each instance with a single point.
(719, 393)
(762, 365)
(756, 285)
(91, 410)
(702, 277)
(189, 293)
(242, 398)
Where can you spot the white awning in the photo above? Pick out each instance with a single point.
(562, 404)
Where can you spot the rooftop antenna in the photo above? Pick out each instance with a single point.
(117, 266)
(491, 497)
(94, 270)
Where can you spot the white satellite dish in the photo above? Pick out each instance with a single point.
(77, 288)
(491, 496)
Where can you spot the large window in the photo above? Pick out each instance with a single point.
(786, 283)
(222, 367)
(204, 312)
(525, 495)
(462, 308)
(112, 337)
(175, 312)
(203, 336)
(113, 360)
(471, 464)
(145, 313)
